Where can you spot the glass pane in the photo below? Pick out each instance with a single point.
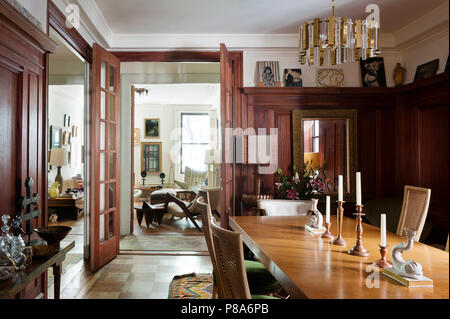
(112, 165)
(112, 78)
(102, 228)
(111, 224)
(193, 156)
(102, 135)
(316, 128)
(112, 115)
(195, 128)
(102, 105)
(102, 166)
(112, 136)
(102, 197)
(112, 195)
(316, 145)
(103, 75)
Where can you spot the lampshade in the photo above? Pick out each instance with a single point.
(58, 157)
(212, 157)
(312, 159)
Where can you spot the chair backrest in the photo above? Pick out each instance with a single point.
(284, 207)
(414, 210)
(193, 177)
(204, 207)
(230, 262)
(213, 197)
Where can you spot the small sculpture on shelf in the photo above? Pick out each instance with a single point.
(162, 176)
(399, 75)
(143, 175)
(409, 268)
(17, 244)
(54, 190)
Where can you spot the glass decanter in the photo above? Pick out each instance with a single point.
(5, 239)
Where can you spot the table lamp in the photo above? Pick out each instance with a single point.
(58, 157)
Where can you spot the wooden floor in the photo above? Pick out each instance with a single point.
(128, 275)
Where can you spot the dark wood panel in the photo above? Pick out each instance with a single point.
(168, 56)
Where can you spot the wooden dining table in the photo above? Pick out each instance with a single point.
(307, 266)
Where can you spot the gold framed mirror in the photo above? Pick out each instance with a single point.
(327, 138)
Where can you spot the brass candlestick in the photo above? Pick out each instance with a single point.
(340, 218)
(358, 249)
(383, 262)
(327, 233)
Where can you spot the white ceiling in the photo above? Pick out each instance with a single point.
(179, 94)
(246, 16)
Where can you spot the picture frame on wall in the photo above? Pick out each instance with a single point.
(268, 73)
(293, 78)
(151, 127)
(65, 120)
(55, 137)
(372, 72)
(330, 77)
(151, 157)
(66, 137)
(426, 70)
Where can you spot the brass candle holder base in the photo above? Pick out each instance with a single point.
(383, 262)
(358, 249)
(327, 233)
(340, 218)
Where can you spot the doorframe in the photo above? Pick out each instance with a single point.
(187, 56)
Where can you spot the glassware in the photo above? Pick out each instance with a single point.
(6, 239)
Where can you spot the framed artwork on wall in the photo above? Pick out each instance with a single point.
(268, 73)
(151, 127)
(293, 78)
(55, 137)
(426, 70)
(372, 72)
(151, 157)
(330, 78)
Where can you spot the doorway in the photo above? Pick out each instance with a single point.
(68, 109)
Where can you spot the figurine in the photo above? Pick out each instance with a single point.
(54, 190)
(6, 239)
(410, 268)
(53, 218)
(316, 221)
(17, 244)
(399, 75)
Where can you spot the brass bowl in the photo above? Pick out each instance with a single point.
(53, 234)
(42, 251)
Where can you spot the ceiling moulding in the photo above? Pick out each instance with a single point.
(433, 21)
(94, 14)
(87, 29)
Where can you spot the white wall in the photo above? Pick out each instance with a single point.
(289, 59)
(67, 99)
(38, 9)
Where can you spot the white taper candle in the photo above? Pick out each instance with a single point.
(383, 230)
(327, 213)
(358, 188)
(340, 188)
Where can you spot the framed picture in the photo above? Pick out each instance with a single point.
(426, 70)
(151, 157)
(65, 120)
(137, 137)
(55, 137)
(66, 138)
(330, 78)
(151, 127)
(268, 73)
(372, 72)
(293, 78)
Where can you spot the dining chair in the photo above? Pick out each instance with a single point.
(414, 210)
(284, 207)
(229, 250)
(259, 278)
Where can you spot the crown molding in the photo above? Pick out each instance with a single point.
(97, 18)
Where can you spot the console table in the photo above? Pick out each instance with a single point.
(67, 207)
(14, 285)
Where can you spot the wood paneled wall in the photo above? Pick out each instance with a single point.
(23, 117)
(402, 135)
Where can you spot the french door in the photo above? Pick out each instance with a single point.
(105, 158)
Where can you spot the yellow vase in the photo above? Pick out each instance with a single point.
(54, 190)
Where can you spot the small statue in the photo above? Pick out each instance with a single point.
(410, 268)
(316, 220)
(54, 190)
(399, 75)
(53, 218)
(17, 244)
(6, 239)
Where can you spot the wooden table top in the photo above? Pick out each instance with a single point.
(308, 266)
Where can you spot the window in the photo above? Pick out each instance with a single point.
(315, 137)
(195, 136)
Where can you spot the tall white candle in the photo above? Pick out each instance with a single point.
(340, 188)
(358, 188)
(383, 230)
(327, 216)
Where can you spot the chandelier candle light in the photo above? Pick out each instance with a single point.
(358, 249)
(336, 40)
(340, 213)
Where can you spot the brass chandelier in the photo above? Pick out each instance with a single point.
(338, 40)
